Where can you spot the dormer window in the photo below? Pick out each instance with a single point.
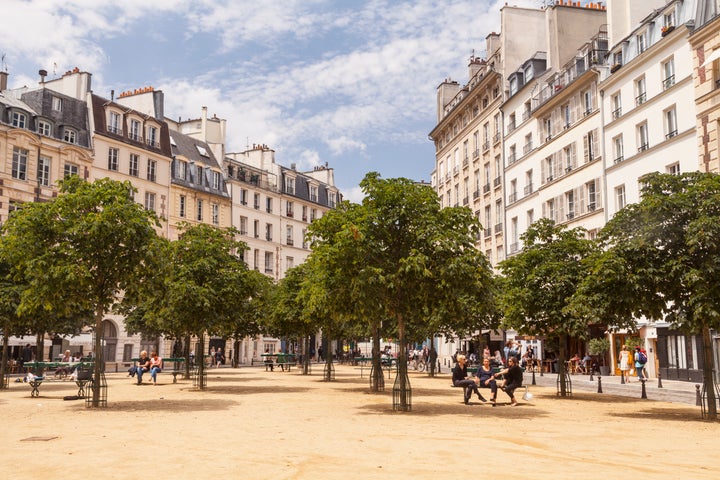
(528, 72)
(135, 130)
(19, 119)
(152, 136)
(114, 125)
(513, 85)
(641, 42)
(669, 19)
(57, 104)
(44, 128)
(69, 135)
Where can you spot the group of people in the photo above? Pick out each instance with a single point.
(152, 364)
(64, 370)
(627, 363)
(487, 377)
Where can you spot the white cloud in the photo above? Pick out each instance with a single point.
(343, 144)
(354, 194)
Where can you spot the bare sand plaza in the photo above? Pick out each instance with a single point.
(250, 423)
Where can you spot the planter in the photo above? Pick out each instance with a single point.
(667, 30)
(605, 370)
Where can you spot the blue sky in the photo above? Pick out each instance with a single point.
(350, 83)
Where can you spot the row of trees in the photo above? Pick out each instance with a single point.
(397, 260)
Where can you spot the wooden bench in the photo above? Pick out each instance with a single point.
(175, 370)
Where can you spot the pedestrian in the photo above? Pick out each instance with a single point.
(212, 356)
(26, 355)
(219, 357)
(624, 363)
(639, 365)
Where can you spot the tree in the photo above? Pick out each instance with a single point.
(539, 282)
(661, 260)
(204, 287)
(400, 257)
(79, 252)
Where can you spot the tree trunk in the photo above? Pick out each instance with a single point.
(377, 380)
(201, 365)
(97, 356)
(432, 357)
(562, 354)
(236, 356)
(186, 354)
(4, 363)
(404, 401)
(709, 374)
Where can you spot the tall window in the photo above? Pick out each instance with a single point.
(243, 225)
(616, 106)
(641, 42)
(590, 145)
(199, 212)
(256, 201)
(588, 101)
(149, 201)
(289, 208)
(642, 136)
(268, 232)
(313, 193)
(152, 136)
(134, 130)
(289, 235)
(668, 74)
(565, 111)
(151, 170)
(620, 197)
(269, 262)
(182, 205)
(216, 180)
(269, 204)
(57, 104)
(215, 212)
(591, 196)
(670, 123)
(618, 149)
(19, 163)
(181, 170)
(114, 123)
(43, 173)
(243, 196)
(69, 135)
(673, 169)
(290, 185)
(133, 167)
(640, 91)
(570, 202)
(113, 155)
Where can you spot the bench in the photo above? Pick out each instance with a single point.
(176, 370)
(81, 380)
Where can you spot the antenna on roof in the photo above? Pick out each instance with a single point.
(3, 65)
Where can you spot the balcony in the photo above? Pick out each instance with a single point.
(289, 213)
(591, 207)
(289, 242)
(549, 179)
(466, 161)
(114, 129)
(514, 247)
(528, 189)
(512, 198)
(135, 136)
(497, 181)
(640, 99)
(486, 188)
(618, 159)
(476, 153)
(466, 200)
(617, 113)
(486, 146)
(668, 82)
(511, 127)
(570, 215)
(496, 138)
(476, 194)
(498, 228)
(511, 159)
(527, 148)
(568, 169)
(643, 147)
(488, 232)
(671, 134)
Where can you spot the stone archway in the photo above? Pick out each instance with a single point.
(110, 339)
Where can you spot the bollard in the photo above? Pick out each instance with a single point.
(622, 377)
(533, 377)
(591, 374)
(439, 366)
(644, 393)
(698, 399)
(599, 384)
(659, 380)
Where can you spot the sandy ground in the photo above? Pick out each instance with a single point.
(273, 425)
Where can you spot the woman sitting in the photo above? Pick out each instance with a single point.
(461, 379)
(486, 379)
(513, 379)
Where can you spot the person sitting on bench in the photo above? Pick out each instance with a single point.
(460, 379)
(486, 378)
(155, 366)
(513, 379)
(143, 365)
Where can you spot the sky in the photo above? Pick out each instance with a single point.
(349, 83)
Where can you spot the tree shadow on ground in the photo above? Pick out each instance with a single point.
(250, 390)
(665, 414)
(524, 411)
(162, 405)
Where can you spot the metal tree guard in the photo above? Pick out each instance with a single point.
(377, 382)
(329, 370)
(568, 384)
(704, 398)
(402, 392)
(91, 388)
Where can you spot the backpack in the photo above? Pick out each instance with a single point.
(642, 357)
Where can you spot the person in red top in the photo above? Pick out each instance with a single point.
(155, 366)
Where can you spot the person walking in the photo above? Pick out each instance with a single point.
(639, 364)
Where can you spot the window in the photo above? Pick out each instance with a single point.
(668, 74)
(513, 85)
(269, 204)
(152, 136)
(113, 154)
(511, 124)
(551, 209)
(44, 128)
(590, 146)
(528, 183)
(243, 225)
(199, 212)
(149, 201)
(670, 123)
(114, 123)
(673, 169)
(215, 212)
(19, 163)
(256, 201)
(268, 232)
(304, 238)
(289, 263)
(616, 106)
(268, 262)
(528, 144)
(216, 180)
(18, 119)
(290, 185)
(181, 170)
(332, 199)
(641, 42)
(135, 130)
(530, 217)
(642, 137)
(289, 235)
(640, 91)
(151, 170)
(182, 205)
(565, 111)
(243, 196)
(547, 127)
(313, 193)
(256, 228)
(133, 168)
(289, 208)
(304, 213)
(43, 171)
(488, 221)
(591, 196)
(620, 197)
(313, 214)
(669, 19)
(69, 135)
(512, 154)
(588, 101)
(70, 169)
(617, 143)
(528, 73)
(57, 104)
(569, 157)
(570, 202)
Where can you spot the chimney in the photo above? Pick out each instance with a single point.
(3, 81)
(43, 74)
